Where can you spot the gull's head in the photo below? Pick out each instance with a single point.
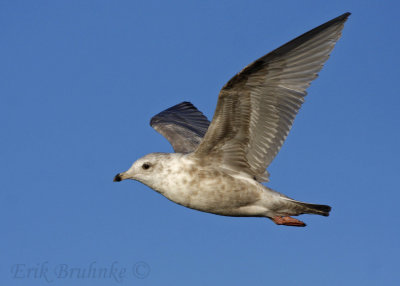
(145, 170)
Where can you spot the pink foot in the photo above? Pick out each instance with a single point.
(287, 220)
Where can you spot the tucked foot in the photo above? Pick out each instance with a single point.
(287, 220)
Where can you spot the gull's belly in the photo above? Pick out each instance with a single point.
(214, 192)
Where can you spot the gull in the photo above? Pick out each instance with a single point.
(219, 167)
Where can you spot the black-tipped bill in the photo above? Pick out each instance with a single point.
(117, 178)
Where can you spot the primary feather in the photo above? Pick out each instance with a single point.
(183, 125)
(256, 108)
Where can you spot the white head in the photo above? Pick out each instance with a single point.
(146, 170)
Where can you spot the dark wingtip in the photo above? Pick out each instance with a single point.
(342, 17)
(160, 117)
(117, 178)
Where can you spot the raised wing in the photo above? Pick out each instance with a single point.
(256, 108)
(183, 125)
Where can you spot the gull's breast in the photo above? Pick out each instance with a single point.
(212, 190)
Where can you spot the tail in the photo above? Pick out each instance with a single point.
(294, 208)
(307, 208)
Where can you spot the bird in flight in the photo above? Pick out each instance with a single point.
(219, 167)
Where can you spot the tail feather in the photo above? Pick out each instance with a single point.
(314, 208)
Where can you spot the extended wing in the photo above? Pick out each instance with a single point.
(183, 125)
(256, 108)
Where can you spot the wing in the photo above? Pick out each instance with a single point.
(256, 108)
(183, 125)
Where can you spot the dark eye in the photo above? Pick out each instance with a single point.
(146, 166)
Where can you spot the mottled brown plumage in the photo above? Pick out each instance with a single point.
(221, 173)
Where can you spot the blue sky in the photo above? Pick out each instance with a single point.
(80, 81)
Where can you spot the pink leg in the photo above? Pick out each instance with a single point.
(287, 220)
